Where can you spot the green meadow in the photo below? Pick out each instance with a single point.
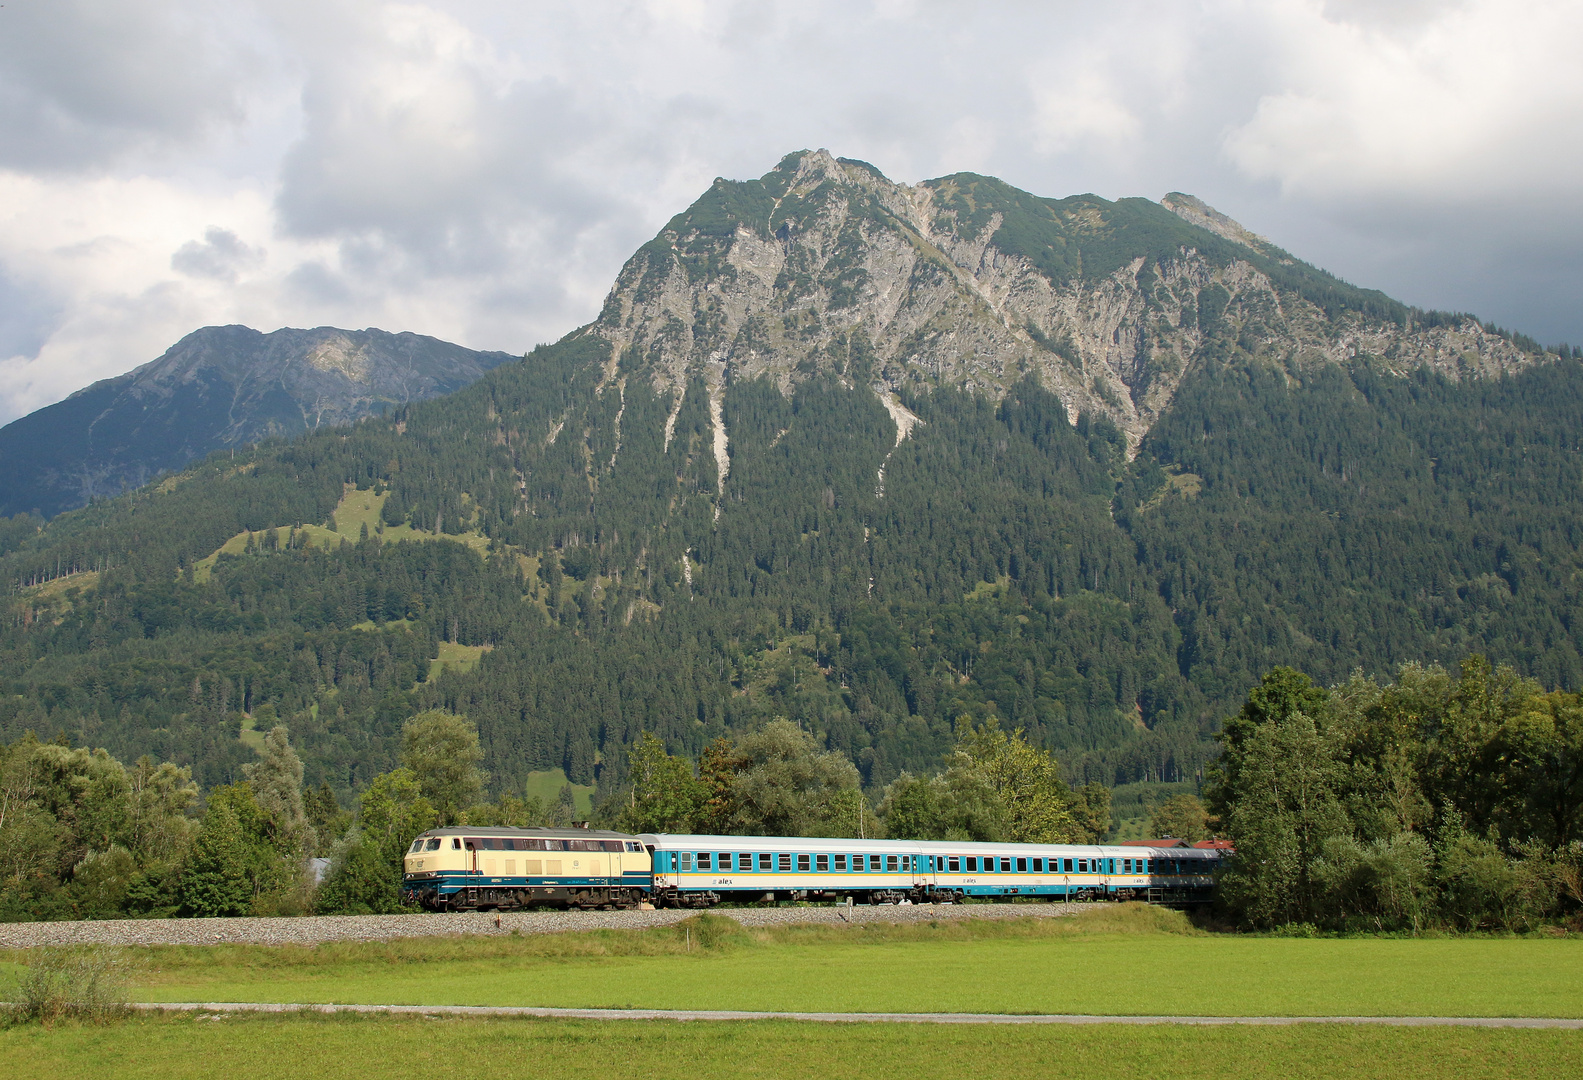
(1130, 959)
(377, 1048)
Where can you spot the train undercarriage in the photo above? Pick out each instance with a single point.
(512, 898)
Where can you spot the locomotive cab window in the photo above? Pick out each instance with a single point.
(417, 845)
(456, 843)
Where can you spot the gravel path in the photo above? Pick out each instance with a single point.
(311, 930)
(870, 1018)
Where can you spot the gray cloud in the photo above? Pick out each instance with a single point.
(222, 256)
(480, 171)
(83, 81)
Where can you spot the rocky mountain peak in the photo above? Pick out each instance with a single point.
(823, 266)
(1196, 211)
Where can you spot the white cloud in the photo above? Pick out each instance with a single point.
(479, 171)
(1444, 104)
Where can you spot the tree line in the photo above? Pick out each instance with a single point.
(1438, 799)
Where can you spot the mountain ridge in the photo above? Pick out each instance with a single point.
(218, 387)
(795, 469)
(963, 280)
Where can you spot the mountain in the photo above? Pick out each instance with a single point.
(218, 387)
(968, 282)
(865, 455)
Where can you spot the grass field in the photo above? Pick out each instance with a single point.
(1128, 959)
(1116, 959)
(330, 1048)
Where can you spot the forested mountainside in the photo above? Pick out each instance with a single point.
(867, 456)
(218, 387)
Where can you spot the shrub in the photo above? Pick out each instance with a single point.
(84, 983)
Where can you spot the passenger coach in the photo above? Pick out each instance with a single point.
(698, 871)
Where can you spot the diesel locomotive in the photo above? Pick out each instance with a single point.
(472, 869)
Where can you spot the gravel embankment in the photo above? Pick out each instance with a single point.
(314, 929)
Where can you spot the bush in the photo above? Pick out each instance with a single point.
(707, 931)
(87, 983)
(1383, 885)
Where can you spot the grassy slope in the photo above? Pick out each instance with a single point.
(335, 1047)
(1025, 966)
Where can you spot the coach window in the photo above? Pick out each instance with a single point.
(687, 862)
(1022, 866)
(704, 860)
(802, 863)
(953, 864)
(783, 862)
(972, 864)
(1082, 866)
(821, 863)
(890, 863)
(840, 864)
(723, 861)
(1126, 866)
(766, 863)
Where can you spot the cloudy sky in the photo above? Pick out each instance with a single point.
(479, 169)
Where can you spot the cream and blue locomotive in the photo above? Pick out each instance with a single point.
(468, 869)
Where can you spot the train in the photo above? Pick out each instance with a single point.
(476, 869)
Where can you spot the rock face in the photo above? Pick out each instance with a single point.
(824, 264)
(219, 386)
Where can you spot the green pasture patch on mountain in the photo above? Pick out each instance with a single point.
(316, 536)
(1123, 962)
(356, 509)
(458, 658)
(360, 507)
(546, 784)
(250, 734)
(377, 1047)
